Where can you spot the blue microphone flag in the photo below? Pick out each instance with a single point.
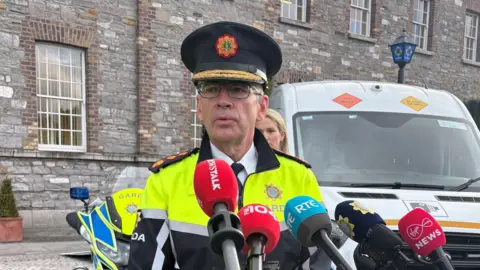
(300, 208)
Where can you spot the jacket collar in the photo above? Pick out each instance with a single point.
(267, 159)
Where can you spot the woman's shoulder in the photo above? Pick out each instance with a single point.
(290, 159)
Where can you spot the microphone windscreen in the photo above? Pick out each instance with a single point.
(304, 216)
(355, 220)
(421, 231)
(259, 219)
(381, 243)
(215, 182)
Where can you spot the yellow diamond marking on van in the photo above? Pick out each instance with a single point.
(414, 103)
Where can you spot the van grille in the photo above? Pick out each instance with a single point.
(464, 249)
(458, 199)
(368, 195)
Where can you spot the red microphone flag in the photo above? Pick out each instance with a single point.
(421, 232)
(257, 218)
(215, 182)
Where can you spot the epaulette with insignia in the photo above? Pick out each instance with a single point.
(156, 166)
(299, 160)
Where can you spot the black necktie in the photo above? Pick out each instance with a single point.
(237, 168)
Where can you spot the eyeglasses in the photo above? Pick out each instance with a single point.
(236, 90)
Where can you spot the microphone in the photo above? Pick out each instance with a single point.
(261, 229)
(367, 228)
(308, 222)
(216, 189)
(424, 235)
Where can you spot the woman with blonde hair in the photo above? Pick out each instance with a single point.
(275, 131)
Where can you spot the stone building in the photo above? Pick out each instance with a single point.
(92, 86)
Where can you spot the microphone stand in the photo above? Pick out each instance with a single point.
(226, 238)
(256, 242)
(400, 261)
(440, 260)
(329, 247)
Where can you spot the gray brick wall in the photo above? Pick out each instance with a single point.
(138, 91)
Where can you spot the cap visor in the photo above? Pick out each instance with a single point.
(221, 74)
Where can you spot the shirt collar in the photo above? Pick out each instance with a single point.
(266, 160)
(249, 160)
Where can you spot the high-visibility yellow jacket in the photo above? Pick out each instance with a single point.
(171, 232)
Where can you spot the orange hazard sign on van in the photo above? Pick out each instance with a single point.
(347, 100)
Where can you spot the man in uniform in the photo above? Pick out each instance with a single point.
(230, 63)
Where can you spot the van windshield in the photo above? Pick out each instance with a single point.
(376, 147)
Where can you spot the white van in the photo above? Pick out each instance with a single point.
(392, 147)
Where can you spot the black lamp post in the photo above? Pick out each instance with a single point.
(403, 49)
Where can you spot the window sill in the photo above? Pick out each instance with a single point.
(78, 156)
(58, 148)
(424, 52)
(470, 62)
(301, 24)
(362, 38)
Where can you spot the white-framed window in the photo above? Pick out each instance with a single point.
(61, 95)
(360, 17)
(196, 125)
(470, 39)
(294, 10)
(421, 19)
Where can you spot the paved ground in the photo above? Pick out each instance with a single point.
(42, 255)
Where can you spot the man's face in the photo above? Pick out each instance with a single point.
(229, 110)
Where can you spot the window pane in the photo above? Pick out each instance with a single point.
(65, 106)
(53, 88)
(352, 20)
(300, 13)
(77, 75)
(194, 103)
(77, 123)
(65, 90)
(42, 70)
(52, 105)
(65, 73)
(292, 14)
(42, 54)
(425, 11)
(76, 90)
(44, 136)
(285, 9)
(42, 120)
(64, 56)
(77, 138)
(53, 121)
(52, 54)
(42, 104)
(42, 87)
(65, 122)
(52, 72)
(54, 137)
(77, 58)
(199, 131)
(66, 139)
(76, 107)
